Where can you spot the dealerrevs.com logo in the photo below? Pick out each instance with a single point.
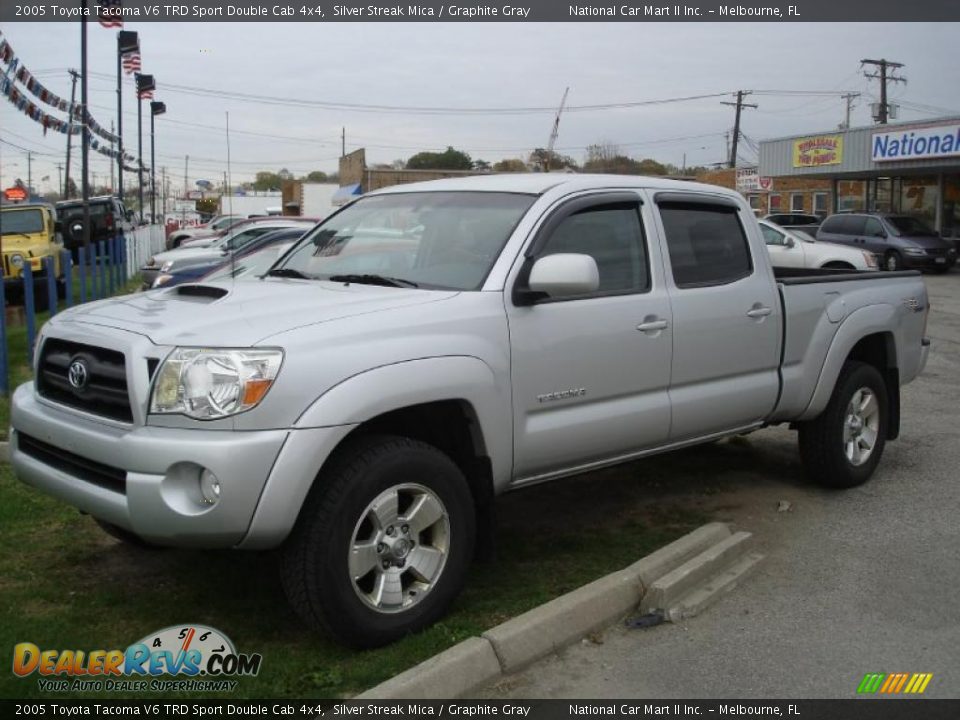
(204, 657)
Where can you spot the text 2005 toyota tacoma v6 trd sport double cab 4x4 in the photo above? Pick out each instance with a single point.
(433, 345)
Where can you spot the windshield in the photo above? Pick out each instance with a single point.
(906, 225)
(16, 222)
(252, 266)
(431, 239)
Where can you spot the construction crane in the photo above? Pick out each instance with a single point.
(554, 132)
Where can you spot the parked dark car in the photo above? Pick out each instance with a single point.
(900, 241)
(193, 273)
(108, 217)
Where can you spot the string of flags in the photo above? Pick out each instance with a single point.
(35, 88)
(110, 17)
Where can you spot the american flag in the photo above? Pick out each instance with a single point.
(145, 94)
(110, 16)
(131, 62)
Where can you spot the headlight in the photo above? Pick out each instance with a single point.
(152, 262)
(914, 251)
(161, 280)
(870, 259)
(212, 383)
(16, 261)
(166, 266)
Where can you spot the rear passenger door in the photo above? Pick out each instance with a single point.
(726, 316)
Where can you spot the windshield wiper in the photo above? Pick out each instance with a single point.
(368, 279)
(288, 273)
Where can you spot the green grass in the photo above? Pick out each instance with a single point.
(65, 584)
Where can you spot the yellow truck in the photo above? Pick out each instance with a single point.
(28, 234)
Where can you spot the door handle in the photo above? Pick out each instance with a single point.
(759, 312)
(652, 325)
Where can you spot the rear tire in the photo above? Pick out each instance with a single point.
(841, 447)
(383, 542)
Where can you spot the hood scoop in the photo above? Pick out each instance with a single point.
(201, 293)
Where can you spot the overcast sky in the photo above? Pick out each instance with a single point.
(495, 65)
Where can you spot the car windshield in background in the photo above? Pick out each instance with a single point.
(906, 225)
(446, 240)
(16, 222)
(252, 266)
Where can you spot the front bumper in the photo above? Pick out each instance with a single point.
(929, 262)
(158, 497)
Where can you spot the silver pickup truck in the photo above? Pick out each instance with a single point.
(434, 345)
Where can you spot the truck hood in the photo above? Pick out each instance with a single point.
(241, 314)
(182, 253)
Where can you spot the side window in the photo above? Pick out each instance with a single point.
(853, 225)
(613, 236)
(873, 228)
(771, 236)
(706, 243)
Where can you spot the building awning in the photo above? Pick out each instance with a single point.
(345, 194)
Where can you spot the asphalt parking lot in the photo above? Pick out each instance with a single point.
(856, 581)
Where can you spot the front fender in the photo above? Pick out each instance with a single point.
(414, 382)
(870, 320)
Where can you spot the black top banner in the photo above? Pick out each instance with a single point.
(320, 11)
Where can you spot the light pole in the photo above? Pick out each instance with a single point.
(127, 42)
(156, 108)
(145, 87)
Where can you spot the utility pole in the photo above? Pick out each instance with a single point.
(85, 127)
(849, 97)
(163, 189)
(739, 105)
(73, 98)
(113, 188)
(60, 173)
(343, 142)
(186, 164)
(884, 110)
(29, 174)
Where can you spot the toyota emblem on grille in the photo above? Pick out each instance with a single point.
(78, 375)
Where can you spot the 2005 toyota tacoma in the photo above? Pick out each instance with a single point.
(433, 345)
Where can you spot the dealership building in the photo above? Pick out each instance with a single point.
(911, 168)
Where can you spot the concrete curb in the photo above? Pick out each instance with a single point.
(527, 638)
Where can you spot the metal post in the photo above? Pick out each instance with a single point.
(51, 285)
(153, 162)
(29, 310)
(85, 128)
(82, 265)
(4, 381)
(102, 270)
(140, 152)
(66, 261)
(119, 121)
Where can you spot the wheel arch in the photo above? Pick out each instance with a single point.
(864, 336)
(451, 403)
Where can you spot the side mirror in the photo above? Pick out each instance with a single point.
(789, 242)
(564, 275)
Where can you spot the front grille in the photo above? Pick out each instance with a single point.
(104, 476)
(105, 390)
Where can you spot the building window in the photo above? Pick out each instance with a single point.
(796, 202)
(756, 202)
(775, 202)
(820, 204)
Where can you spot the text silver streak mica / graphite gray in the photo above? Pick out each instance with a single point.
(433, 345)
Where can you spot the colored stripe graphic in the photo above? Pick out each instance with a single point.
(894, 683)
(871, 682)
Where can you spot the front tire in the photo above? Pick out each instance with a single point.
(892, 261)
(383, 542)
(842, 447)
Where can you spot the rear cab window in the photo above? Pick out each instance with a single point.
(706, 243)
